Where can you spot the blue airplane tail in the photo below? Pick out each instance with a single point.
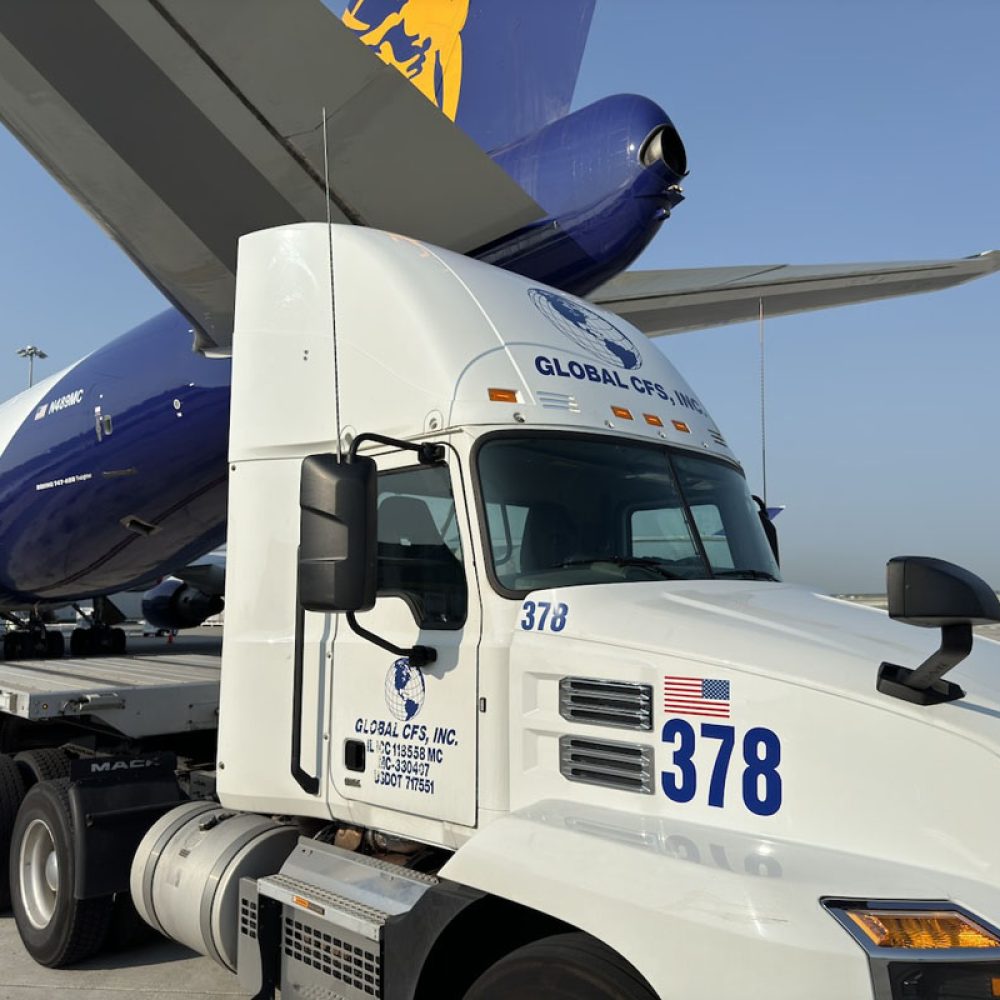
(500, 69)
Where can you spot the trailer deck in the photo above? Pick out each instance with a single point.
(156, 688)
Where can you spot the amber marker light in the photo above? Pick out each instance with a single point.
(681, 426)
(503, 395)
(621, 412)
(921, 930)
(652, 419)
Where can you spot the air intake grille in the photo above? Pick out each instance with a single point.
(606, 703)
(351, 964)
(628, 766)
(557, 401)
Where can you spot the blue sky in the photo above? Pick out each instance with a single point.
(817, 131)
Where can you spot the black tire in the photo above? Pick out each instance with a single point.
(55, 644)
(56, 929)
(79, 642)
(47, 764)
(118, 642)
(563, 967)
(12, 646)
(12, 789)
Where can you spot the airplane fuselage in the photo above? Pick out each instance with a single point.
(114, 470)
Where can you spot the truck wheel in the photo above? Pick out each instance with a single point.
(46, 764)
(12, 789)
(56, 929)
(563, 967)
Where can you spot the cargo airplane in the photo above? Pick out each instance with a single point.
(201, 122)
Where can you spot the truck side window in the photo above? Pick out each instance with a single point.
(419, 550)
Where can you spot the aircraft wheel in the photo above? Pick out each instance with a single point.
(563, 967)
(46, 764)
(79, 642)
(12, 646)
(12, 789)
(55, 644)
(118, 641)
(56, 929)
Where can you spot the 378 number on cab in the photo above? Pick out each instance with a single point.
(761, 752)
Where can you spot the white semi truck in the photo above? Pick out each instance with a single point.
(513, 702)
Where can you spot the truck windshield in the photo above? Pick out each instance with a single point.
(564, 511)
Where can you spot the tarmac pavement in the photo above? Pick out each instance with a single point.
(159, 971)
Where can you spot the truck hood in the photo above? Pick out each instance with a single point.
(783, 632)
(788, 684)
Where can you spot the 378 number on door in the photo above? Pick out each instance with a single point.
(761, 752)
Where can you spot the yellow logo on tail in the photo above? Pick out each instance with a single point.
(421, 38)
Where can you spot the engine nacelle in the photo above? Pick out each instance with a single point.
(174, 604)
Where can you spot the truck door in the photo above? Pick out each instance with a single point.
(402, 736)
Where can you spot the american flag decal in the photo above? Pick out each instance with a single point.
(696, 696)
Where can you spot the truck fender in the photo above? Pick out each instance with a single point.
(672, 897)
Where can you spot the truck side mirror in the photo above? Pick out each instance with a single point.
(933, 593)
(337, 539)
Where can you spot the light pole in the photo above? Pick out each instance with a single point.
(31, 352)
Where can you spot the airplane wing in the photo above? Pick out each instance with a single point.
(662, 302)
(180, 125)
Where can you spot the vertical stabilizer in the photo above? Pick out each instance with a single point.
(500, 70)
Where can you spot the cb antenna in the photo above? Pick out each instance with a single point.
(333, 301)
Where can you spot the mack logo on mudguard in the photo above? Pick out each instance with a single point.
(102, 767)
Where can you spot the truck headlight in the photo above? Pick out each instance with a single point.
(923, 950)
(923, 930)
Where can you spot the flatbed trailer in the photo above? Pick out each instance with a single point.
(156, 690)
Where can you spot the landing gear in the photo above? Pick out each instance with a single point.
(29, 640)
(102, 637)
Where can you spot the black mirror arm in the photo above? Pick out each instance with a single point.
(924, 685)
(427, 454)
(419, 656)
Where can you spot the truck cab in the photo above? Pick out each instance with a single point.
(571, 685)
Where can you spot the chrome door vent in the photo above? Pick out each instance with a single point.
(620, 704)
(627, 766)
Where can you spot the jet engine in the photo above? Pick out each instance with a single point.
(174, 604)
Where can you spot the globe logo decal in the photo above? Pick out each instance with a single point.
(590, 331)
(404, 690)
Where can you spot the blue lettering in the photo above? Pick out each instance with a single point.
(576, 370)
(618, 379)
(543, 365)
(560, 371)
(606, 377)
(637, 384)
(592, 373)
